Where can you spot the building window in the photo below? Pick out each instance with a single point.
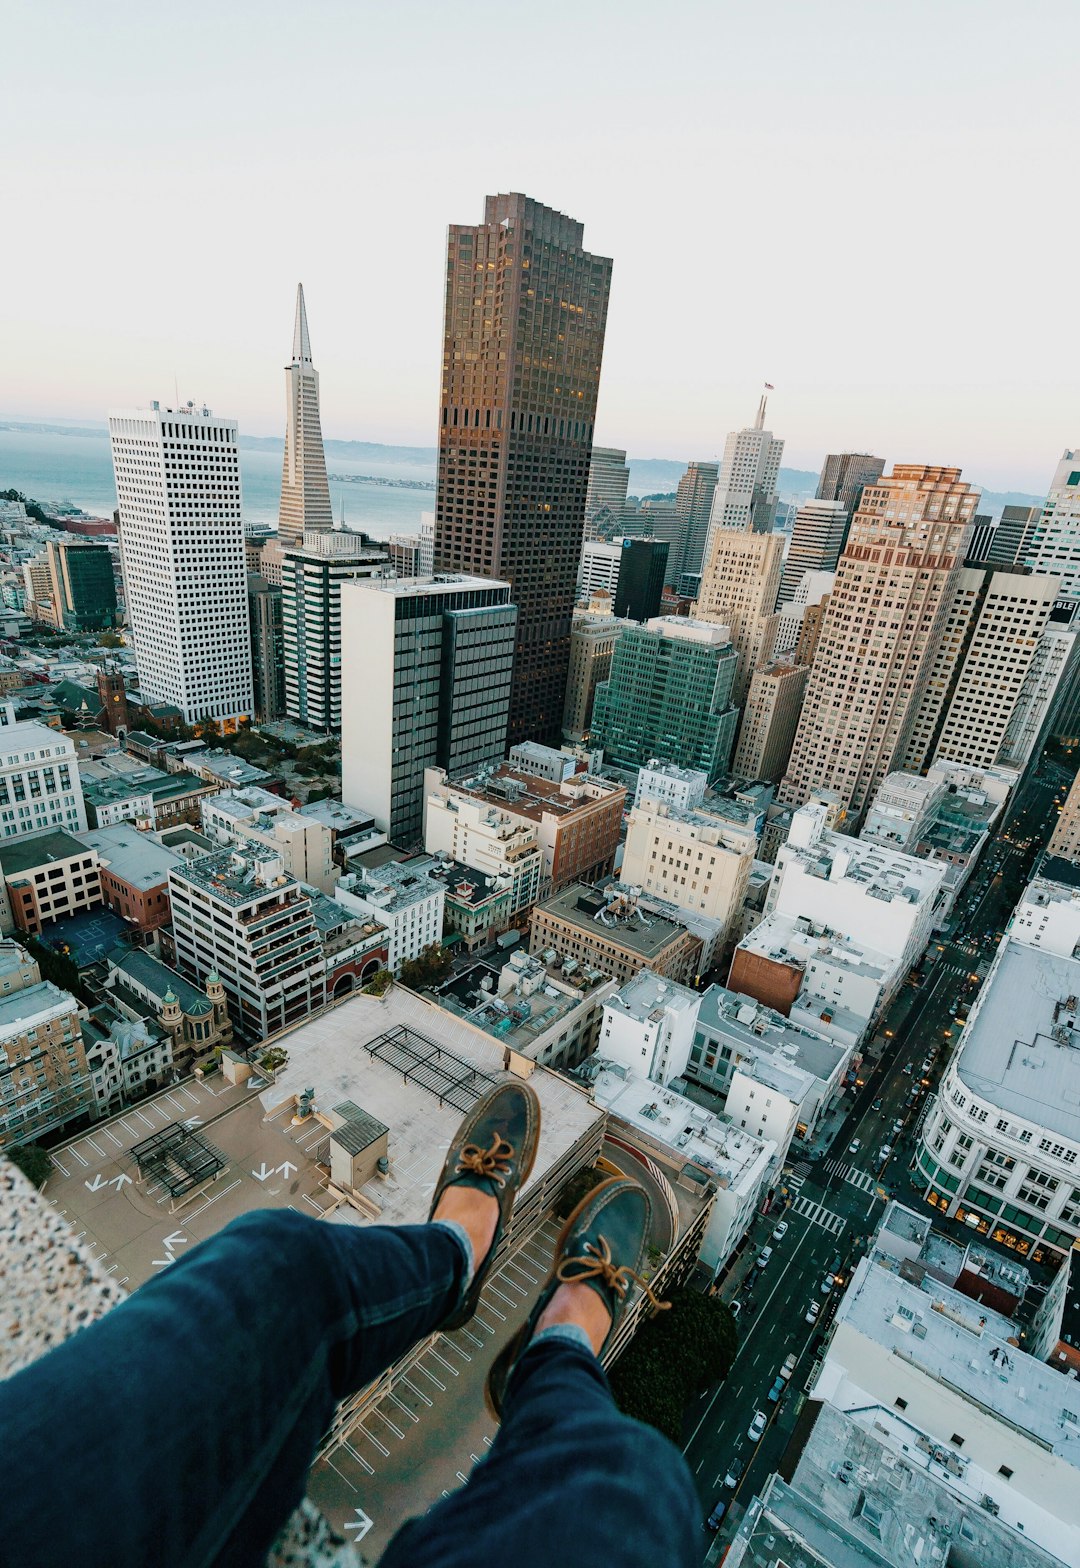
(901, 1404)
(956, 1440)
(1005, 1471)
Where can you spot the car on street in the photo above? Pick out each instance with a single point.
(776, 1390)
(812, 1311)
(854, 1146)
(734, 1474)
(885, 1152)
(897, 1125)
(713, 1521)
(780, 1231)
(789, 1366)
(827, 1284)
(876, 1105)
(763, 1257)
(757, 1426)
(908, 1069)
(735, 1307)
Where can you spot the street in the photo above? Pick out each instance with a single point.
(833, 1200)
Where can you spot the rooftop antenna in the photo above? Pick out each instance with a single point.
(759, 422)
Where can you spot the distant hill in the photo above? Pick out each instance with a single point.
(648, 475)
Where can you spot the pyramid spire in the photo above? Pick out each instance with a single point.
(301, 342)
(305, 495)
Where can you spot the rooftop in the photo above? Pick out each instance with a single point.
(878, 871)
(131, 855)
(235, 876)
(617, 919)
(394, 885)
(794, 939)
(26, 854)
(136, 964)
(466, 886)
(335, 814)
(1020, 1048)
(25, 1006)
(26, 735)
(519, 1003)
(141, 781)
(760, 1033)
(646, 994)
(527, 795)
(964, 1345)
(230, 768)
(417, 587)
(700, 1136)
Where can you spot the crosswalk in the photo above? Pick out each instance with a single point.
(848, 1173)
(818, 1214)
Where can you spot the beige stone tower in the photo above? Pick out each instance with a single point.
(881, 632)
(738, 590)
(305, 494)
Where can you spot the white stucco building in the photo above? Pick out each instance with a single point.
(698, 860)
(668, 785)
(884, 898)
(255, 816)
(404, 898)
(39, 779)
(182, 546)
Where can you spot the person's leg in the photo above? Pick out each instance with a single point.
(569, 1480)
(178, 1429)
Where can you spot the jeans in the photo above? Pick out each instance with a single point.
(177, 1431)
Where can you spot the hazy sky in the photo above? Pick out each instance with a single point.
(872, 205)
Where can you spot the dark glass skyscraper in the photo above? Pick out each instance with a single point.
(642, 570)
(526, 309)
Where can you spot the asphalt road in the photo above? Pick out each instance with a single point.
(834, 1201)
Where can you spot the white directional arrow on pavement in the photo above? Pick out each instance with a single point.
(192, 1121)
(286, 1170)
(97, 1183)
(263, 1171)
(118, 1181)
(177, 1239)
(361, 1524)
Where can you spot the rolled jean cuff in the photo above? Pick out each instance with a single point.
(570, 1332)
(461, 1236)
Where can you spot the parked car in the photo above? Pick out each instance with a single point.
(734, 1307)
(789, 1366)
(827, 1284)
(780, 1231)
(776, 1390)
(854, 1146)
(757, 1426)
(885, 1152)
(763, 1257)
(734, 1473)
(712, 1523)
(812, 1311)
(897, 1126)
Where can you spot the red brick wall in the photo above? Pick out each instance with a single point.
(771, 982)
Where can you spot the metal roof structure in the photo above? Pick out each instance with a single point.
(446, 1076)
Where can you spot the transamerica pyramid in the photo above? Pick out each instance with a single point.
(305, 495)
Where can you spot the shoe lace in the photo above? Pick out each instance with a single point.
(598, 1263)
(493, 1163)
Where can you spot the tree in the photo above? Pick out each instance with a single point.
(110, 640)
(32, 1160)
(61, 969)
(673, 1356)
(323, 792)
(427, 968)
(578, 1187)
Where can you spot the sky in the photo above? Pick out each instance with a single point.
(871, 206)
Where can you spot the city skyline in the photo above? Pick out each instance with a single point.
(995, 397)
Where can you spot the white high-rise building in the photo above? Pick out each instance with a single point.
(816, 542)
(1054, 544)
(598, 567)
(39, 779)
(182, 546)
(609, 479)
(745, 495)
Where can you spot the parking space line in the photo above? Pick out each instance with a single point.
(76, 1155)
(384, 1451)
(412, 1415)
(59, 1167)
(111, 1137)
(443, 1361)
(385, 1419)
(419, 1394)
(421, 1368)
